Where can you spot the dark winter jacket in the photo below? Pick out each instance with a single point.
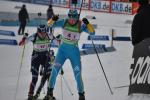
(23, 15)
(50, 13)
(141, 25)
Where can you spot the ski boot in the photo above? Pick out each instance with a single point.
(81, 96)
(30, 97)
(48, 97)
(36, 96)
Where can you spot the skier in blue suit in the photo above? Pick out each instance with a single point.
(68, 49)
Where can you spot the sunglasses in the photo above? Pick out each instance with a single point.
(42, 31)
(72, 15)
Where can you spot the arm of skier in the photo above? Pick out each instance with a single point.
(87, 27)
(26, 39)
(57, 39)
(54, 21)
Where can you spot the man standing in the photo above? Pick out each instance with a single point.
(23, 18)
(50, 12)
(141, 23)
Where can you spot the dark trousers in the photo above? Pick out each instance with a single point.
(38, 58)
(44, 78)
(22, 27)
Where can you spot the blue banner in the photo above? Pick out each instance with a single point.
(8, 42)
(91, 46)
(98, 37)
(7, 33)
(45, 2)
(122, 38)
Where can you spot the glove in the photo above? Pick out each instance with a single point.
(55, 17)
(25, 35)
(22, 42)
(85, 21)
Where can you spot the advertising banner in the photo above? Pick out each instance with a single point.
(98, 5)
(121, 7)
(45, 2)
(135, 7)
(140, 69)
(85, 4)
(94, 5)
(62, 3)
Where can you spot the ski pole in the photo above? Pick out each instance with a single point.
(65, 81)
(22, 56)
(102, 66)
(61, 87)
(80, 9)
(123, 86)
(67, 85)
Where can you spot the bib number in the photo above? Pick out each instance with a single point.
(41, 46)
(71, 35)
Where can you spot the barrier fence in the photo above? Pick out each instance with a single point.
(109, 6)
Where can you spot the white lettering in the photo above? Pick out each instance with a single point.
(141, 70)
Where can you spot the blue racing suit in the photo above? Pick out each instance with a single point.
(68, 49)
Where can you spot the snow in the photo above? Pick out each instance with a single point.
(116, 64)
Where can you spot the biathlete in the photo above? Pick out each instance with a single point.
(40, 56)
(72, 28)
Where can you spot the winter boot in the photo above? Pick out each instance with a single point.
(36, 96)
(81, 96)
(30, 97)
(48, 97)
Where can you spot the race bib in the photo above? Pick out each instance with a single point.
(41, 47)
(73, 36)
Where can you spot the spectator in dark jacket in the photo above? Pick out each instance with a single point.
(23, 18)
(50, 12)
(141, 23)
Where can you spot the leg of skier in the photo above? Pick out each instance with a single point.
(59, 61)
(42, 83)
(76, 66)
(44, 72)
(35, 63)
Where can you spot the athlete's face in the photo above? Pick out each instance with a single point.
(72, 19)
(42, 35)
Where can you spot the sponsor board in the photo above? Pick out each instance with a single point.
(120, 7)
(140, 69)
(97, 5)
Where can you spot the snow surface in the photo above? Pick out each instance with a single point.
(116, 64)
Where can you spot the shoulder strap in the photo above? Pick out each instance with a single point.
(65, 23)
(35, 36)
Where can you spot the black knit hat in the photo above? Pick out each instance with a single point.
(143, 2)
(23, 6)
(50, 6)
